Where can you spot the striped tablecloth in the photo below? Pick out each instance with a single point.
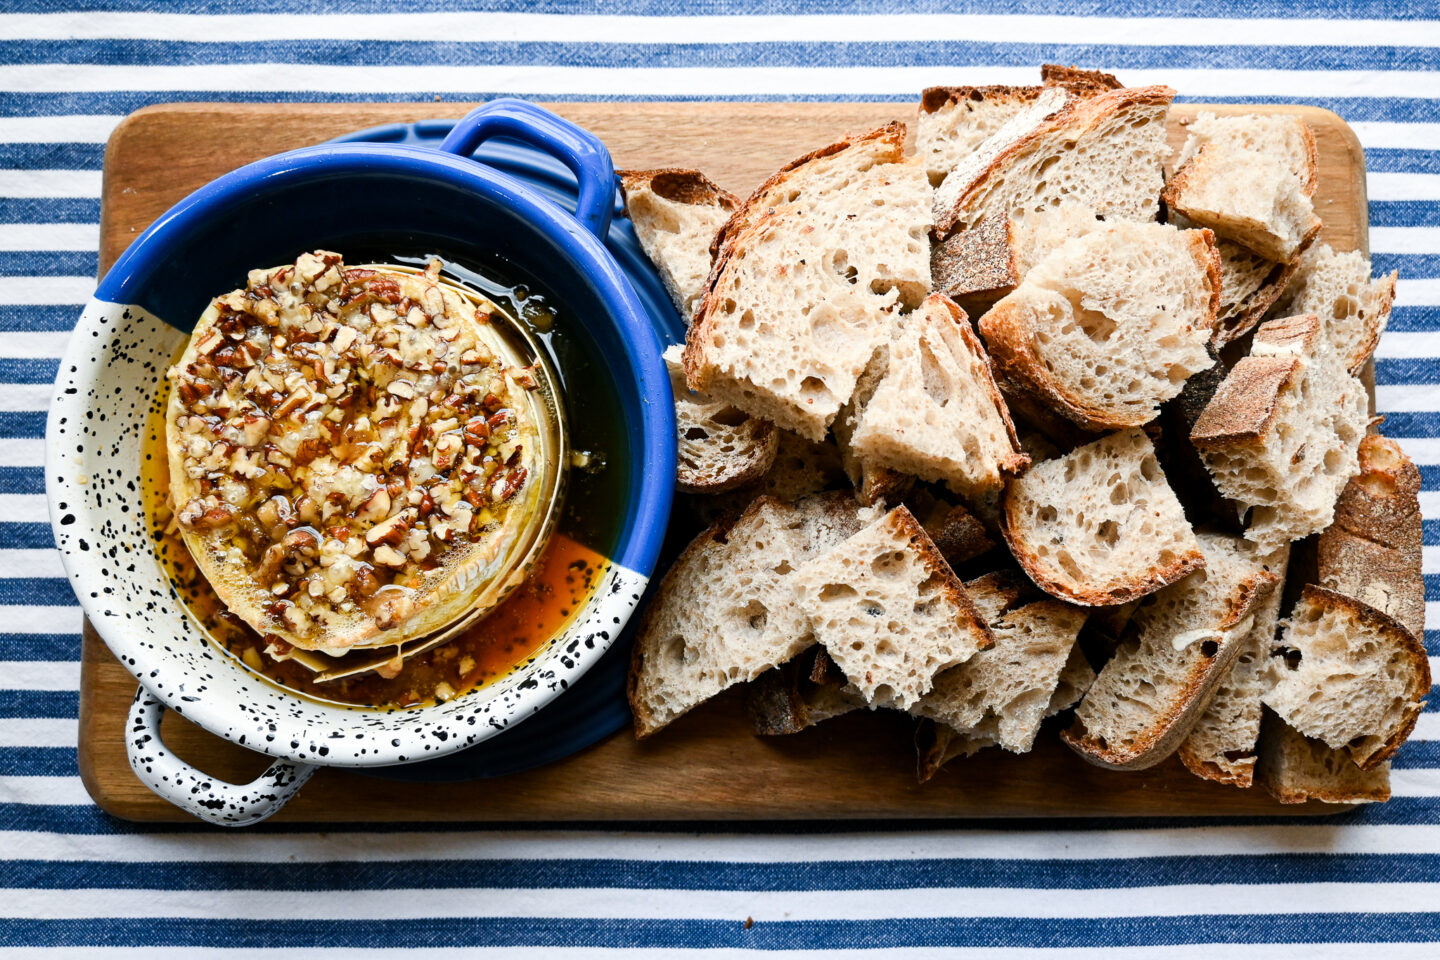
(82, 884)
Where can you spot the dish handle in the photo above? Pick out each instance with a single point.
(572, 145)
(212, 800)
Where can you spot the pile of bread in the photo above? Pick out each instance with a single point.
(1114, 389)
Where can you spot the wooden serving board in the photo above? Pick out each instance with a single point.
(707, 765)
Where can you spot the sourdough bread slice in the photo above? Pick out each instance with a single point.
(1278, 140)
(1372, 551)
(1352, 677)
(1281, 433)
(721, 448)
(934, 411)
(1106, 151)
(1337, 288)
(1078, 80)
(1109, 325)
(874, 483)
(1249, 286)
(724, 614)
(808, 275)
(677, 214)
(1100, 525)
(889, 610)
(957, 533)
(1148, 697)
(797, 695)
(987, 262)
(954, 121)
(1001, 695)
(1294, 768)
(1222, 744)
(801, 468)
(1243, 198)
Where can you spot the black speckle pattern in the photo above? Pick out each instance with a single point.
(97, 424)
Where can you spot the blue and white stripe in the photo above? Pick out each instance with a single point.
(83, 885)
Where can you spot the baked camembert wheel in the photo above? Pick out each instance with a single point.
(349, 452)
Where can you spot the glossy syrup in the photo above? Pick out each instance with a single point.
(565, 577)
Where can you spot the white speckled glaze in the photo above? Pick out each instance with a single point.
(114, 365)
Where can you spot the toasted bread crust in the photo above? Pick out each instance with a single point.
(1080, 112)
(949, 584)
(679, 185)
(1081, 82)
(937, 98)
(1245, 405)
(1205, 676)
(1366, 348)
(1017, 460)
(1259, 303)
(1289, 785)
(977, 262)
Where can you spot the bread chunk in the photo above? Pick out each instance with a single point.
(1249, 286)
(935, 411)
(797, 695)
(1109, 325)
(801, 468)
(1078, 80)
(1294, 768)
(1222, 744)
(889, 610)
(1281, 434)
(991, 259)
(1100, 525)
(1241, 197)
(1372, 551)
(1107, 152)
(1337, 288)
(1279, 140)
(954, 121)
(1000, 695)
(1159, 682)
(1352, 677)
(676, 214)
(721, 448)
(724, 614)
(808, 276)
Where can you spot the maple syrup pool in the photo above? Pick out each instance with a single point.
(561, 583)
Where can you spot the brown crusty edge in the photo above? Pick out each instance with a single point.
(950, 585)
(1246, 404)
(1016, 462)
(1412, 648)
(1373, 329)
(1254, 307)
(934, 99)
(678, 185)
(1014, 349)
(1352, 786)
(739, 471)
(979, 262)
(1080, 113)
(959, 535)
(1078, 81)
(797, 695)
(750, 214)
(1206, 675)
(1376, 536)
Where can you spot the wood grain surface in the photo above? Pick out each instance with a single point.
(707, 765)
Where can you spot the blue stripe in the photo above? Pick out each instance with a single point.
(1404, 213)
(40, 646)
(46, 591)
(1398, 370)
(50, 704)
(43, 318)
(49, 209)
(51, 156)
(15, 103)
(357, 932)
(1417, 754)
(1241, 9)
(17, 370)
(27, 536)
(1414, 319)
(22, 423)
(39, 762)
(1419, 424)
(22, 480)
(1409, 264)
(1402, 161)
(951, 53)
(49, 263)
(988, 873)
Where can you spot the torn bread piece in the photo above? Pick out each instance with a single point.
(1281, 140)
(721, 448)
(676, 214)
(1221, 746)
(889, 610)
(1106, 151)
(1148, 697)
(987, 262)
(1280, 435)
(1372, 551)
(1294, 768)
(954, 121)
(1351, 677)
(808, 276)
(1243, 198)
(1100, 525)
(874, 483)
(1078, 80)
(958, 534)
(934, 411)
(1108, 326)
(801, 468)
(799, 694)
(1249, 286)
(1353, 307)
(724, 614)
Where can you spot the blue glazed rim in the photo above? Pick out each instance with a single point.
(540, 200)
(595, 707)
